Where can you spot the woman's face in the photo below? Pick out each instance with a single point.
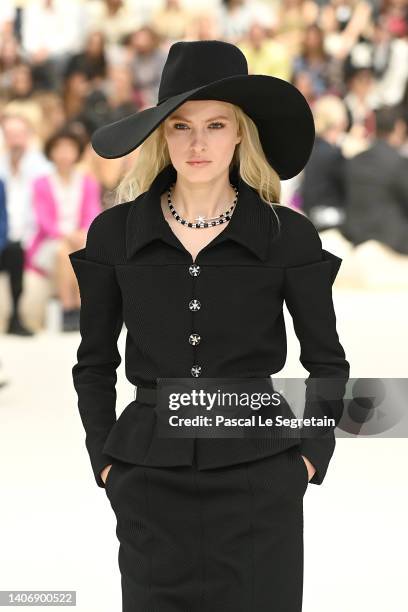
(205, 130)
(313, 38)
(94, 44)
(22, 82)
(64, 153)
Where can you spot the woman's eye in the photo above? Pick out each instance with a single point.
(214, 123)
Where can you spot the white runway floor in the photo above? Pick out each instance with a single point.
(57, 529)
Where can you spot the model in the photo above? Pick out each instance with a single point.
(196, 258)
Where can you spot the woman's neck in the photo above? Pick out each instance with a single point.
(64, 174)
(205, 199)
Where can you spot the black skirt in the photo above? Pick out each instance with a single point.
(228, 539)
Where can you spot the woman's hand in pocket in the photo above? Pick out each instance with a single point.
(310, 467)
(105, 472)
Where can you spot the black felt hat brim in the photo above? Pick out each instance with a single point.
(280, 111)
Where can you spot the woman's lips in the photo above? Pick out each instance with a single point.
(201, 163)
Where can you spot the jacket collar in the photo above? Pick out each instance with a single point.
(249, 225)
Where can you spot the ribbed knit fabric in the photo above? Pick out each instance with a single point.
(225, 540)
(134, 270)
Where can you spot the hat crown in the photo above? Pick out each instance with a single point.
(196, 63)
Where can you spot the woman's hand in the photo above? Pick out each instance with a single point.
(310, 467)
(105, 472)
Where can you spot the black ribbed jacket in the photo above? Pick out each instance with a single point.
(135, 271)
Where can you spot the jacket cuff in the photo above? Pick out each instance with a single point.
(319, 451)
(98, 463)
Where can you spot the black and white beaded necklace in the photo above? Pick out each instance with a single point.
(203, 221)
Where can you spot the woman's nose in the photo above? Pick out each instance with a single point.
(198, 138)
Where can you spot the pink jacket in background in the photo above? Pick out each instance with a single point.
(45, 212)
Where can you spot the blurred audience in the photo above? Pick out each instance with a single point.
(67, 68)
(147, 62)
(171, 21)
(114, 18)
(316, 62)
(377, 186)
(65, 202)
(20, 164)
(90, 61)
(3, 217)
(51, 31)
(323, 188)
(11, 55)
(236, 17)
(293, 17)
(264, 54)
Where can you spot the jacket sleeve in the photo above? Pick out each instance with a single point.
(308, 296)
(94, 374)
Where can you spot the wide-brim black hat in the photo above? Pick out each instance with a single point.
(218, 70)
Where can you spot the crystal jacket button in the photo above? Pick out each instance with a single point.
(194, 339)
(194, 270)
(196, 370)
(194, 305)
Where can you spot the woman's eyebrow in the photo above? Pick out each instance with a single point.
(211, 119)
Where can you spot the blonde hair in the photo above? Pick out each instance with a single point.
(253, 166)
(329, 111)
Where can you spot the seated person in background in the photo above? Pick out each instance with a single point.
(21, 162)
(377, 186)
(323, 185)
(65, 201)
